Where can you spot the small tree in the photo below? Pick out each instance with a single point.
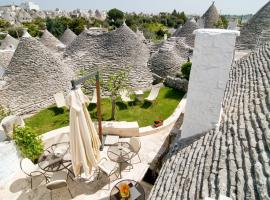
(185, 69)
(115, 17)
(116, 83)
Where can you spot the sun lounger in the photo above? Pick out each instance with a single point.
(59, 99)
(153, 94)
(125, 96)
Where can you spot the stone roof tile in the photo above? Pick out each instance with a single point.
(33, 76)
(232, 160)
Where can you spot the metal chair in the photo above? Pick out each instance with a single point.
(108, 168)
(31, 170)
(135, 146)
(58, 180)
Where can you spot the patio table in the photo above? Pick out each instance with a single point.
(136, 191)
(55, 158)
(120, 153)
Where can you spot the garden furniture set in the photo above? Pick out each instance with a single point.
(55, 163)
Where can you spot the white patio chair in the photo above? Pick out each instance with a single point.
(94, 98)
(108, 168)
(60, 100)
(31, 170)
(58, 180)
(153, 94)
(135, 146)
(125, 96)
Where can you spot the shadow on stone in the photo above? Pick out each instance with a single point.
(20, 184)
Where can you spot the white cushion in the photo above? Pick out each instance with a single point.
(107, 166)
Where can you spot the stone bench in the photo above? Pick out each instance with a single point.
(123, 129)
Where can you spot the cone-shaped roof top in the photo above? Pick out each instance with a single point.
(169, 57)
(187, 31)
(34, 75)
(117, 50)
(211, 16)
(68, 36)
(9, 43)
(50, 41)
(252, 31)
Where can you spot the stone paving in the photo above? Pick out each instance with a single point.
(232, 160)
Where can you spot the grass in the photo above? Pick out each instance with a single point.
(143, 112)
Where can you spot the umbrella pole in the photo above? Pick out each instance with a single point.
(99, 110)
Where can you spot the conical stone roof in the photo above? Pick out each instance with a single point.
(251, 32)
(5, 57)
(169, 57)
(140, 35)
(50, 41)
(187, 31)
(33, 76)
(67, 37)
(211, 16)
(115, 50)
(9, 43)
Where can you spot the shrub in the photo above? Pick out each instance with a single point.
(28, 142)
(185, 69)
(3, 112)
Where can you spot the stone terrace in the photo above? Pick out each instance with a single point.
(232, 160)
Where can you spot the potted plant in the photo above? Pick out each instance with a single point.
(158, 122)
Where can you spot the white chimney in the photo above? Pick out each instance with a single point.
(211, 64)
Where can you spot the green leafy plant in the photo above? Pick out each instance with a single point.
(3, 112)
(116, 83)
(28, 142)
(185, 69)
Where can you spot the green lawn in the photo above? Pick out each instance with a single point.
(145, 113)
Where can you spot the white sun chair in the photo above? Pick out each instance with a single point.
(125, 96)
(94, 98)
(59, 99)
(153, 94)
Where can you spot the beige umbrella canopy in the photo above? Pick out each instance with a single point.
(84, 140)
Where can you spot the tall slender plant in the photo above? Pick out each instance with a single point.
(117, 82)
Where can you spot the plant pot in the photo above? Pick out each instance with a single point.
(158, 124)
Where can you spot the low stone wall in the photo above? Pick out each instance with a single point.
(177, 83)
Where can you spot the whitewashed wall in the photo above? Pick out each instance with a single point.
(212, 59)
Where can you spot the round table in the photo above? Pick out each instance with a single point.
(55, 158)
(136, 190)
(120, 153)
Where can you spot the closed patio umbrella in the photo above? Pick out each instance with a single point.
(84, 140)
